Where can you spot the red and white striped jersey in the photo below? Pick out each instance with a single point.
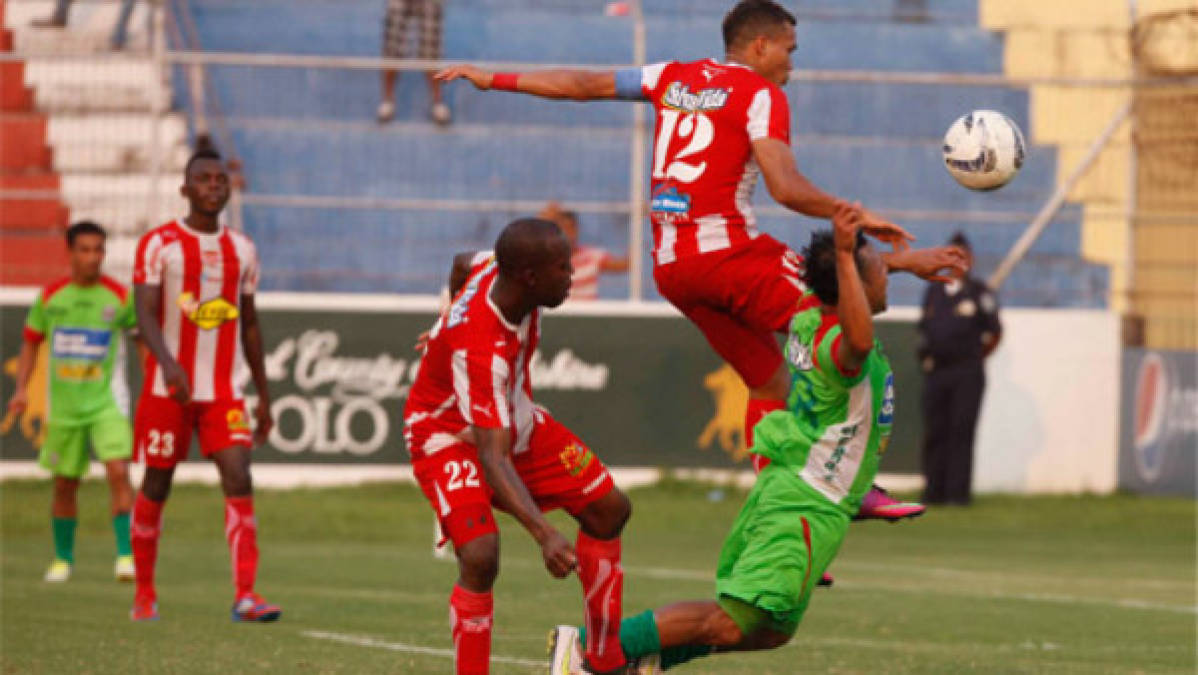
(588, 266)
(708, 115)
(474, 372)
(202, 277)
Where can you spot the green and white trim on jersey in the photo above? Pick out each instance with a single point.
(837, 423)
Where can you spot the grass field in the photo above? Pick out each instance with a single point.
(1078, 585)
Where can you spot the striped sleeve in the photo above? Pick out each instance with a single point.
(147, 265)
(251, 267)
(769, 115)
(481, 380)
(638, 84)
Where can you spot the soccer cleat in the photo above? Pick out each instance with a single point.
(124, 569)
(826, 580)
(385, 112)
(58, 572)
(879, 505)
(565, 651)
(253, 607)
(649, 664)
(144, 609)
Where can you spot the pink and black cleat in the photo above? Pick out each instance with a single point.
(252, 607)
(879, 505)
(825, 580)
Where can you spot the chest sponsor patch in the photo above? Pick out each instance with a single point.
(207, 314)
(669, 200)
(81, 344)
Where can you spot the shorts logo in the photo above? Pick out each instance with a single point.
(576, 458)
(235, 418)
(208, 314)
(886, 414)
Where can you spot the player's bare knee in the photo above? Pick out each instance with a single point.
(117, 472)
(65, 487)
(478, 562)
(156, 484)
(605, 518)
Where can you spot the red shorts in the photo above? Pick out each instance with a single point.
(739, 298)
(162, 429)
(558, 470)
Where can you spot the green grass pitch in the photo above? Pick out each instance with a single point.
(1012, 585)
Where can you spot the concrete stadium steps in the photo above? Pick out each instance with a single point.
(407, 161)
(118, 201)
(101, 85)
(89, 27)
(534, 34)
(115, 142)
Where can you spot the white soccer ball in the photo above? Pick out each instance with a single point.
(983, 150)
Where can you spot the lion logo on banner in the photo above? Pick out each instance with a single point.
(35, 411)
(727, 425)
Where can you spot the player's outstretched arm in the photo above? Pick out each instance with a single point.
(856, 320)
(251, 345)
(577, 85)
(148, 300)
(494, 453)
(939, 263)
(790, 188)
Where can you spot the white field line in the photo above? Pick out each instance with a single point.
(367, 641)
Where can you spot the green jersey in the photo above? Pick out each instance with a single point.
(83, 325)
(837, 423)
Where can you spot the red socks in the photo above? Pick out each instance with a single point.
(241, 531)
(147, 521)
(603, 587)
(758, 408)
(470, 617)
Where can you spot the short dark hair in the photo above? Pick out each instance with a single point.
(83, 227)
(750, 18)
(819, 257)
(523, 243)
(959, 239)
(203, 152)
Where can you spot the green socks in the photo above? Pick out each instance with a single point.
(64, 538)
(638, 637)
(120, 526)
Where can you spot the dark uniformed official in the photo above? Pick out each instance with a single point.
(958, 330)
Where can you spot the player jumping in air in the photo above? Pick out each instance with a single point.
(823, 448)
(194, 284)
(477, 440)
(720, 124)
(83, 316)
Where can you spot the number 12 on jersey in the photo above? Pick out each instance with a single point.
(695, 126)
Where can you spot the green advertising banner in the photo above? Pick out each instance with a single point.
(642, 390)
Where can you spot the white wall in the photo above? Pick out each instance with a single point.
(1050, 414)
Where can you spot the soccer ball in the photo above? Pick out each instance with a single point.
(983, 150)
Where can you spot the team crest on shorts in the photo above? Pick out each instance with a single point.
(236, 420)
(576, 458)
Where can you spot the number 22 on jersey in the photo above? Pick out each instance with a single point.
(696, 127)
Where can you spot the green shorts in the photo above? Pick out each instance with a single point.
(779, 546)
(65, 451)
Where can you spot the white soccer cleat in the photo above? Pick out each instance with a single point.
(124, 569)
(649, 664)
(565, 652)
(440, 114)
(58, 572)
(386, 112)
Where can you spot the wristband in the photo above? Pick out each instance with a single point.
(504, 81)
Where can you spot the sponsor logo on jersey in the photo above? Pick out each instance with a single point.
(576, 458)
(886, 414)
(669, 200)
(679, 97)
(80, 344)
(207, 314)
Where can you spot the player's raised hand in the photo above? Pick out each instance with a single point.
(881, 229)
(478, 77)
(559, 555)
(263, 421)
(939, 263)
(845, 223)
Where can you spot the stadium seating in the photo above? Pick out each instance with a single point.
(311, 132)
